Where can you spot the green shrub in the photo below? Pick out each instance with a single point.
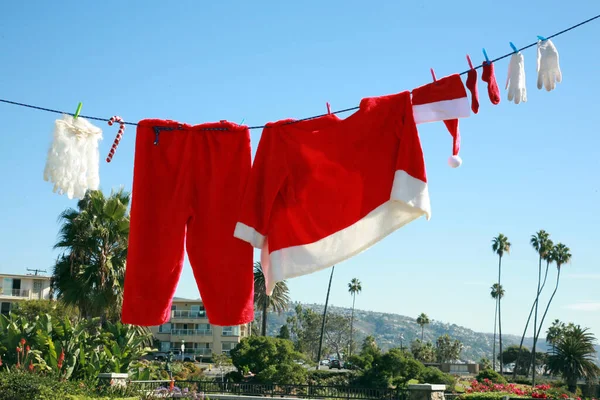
(331, 378)
(491, 375)
(521, 381)
(435, 376)
(27, 386)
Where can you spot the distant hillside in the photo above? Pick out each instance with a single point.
(386, 328)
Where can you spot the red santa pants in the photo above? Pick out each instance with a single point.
(188, 182)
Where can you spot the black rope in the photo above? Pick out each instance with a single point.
(314, 116)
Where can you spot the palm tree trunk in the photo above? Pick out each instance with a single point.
(537, 334)
(352, 325)
(494, 346)
(533, 306)
(536, 314)
(422, 332)
(523, 337)
(264, 316)
(500, 315)
(324, 317)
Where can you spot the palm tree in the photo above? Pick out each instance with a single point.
(423, 320)
(561, 255)
(574, 357)
(278, 301)
(500, 245)
(554, 333)
(496, 292)
(354, 288)
(90, 270)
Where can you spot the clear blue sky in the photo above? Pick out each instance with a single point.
(526, 167)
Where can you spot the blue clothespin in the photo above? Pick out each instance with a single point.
(542, 38)
(514, 47)
(487, 60)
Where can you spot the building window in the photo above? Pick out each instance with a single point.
(231, 331)
(165, 346)
(226, 347)
(37, 289)
(164, 328)
(5, 308)
(7, 286)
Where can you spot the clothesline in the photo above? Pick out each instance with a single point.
(311, 117)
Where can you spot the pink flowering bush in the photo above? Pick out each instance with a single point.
(486, 389)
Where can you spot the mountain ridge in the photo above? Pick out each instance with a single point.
(387, 328)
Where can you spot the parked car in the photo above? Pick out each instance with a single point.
(324, 362)
(335, 364)
(163, 355)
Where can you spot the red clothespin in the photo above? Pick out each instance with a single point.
(469, 61)
(328, 108)
(433, 75)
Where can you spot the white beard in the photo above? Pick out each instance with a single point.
(73, 158)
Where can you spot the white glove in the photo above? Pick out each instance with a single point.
(547, 65)
(515, 81)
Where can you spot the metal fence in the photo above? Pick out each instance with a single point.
(273, 390)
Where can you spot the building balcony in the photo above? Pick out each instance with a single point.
(191, 332)
(179, 315)
(19, 293)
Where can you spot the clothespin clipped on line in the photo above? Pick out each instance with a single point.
(78, 110)
(328, 108)
(487, 60)
(542, 38)
(513, 47)
(243, 119)
(469, 61)
(433, 75)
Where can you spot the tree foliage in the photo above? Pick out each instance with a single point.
(90, 270)
(423, 320)
(574, 356)
(284, 332)
(447, 350)
(278, 301)
(31, 309)
(272, 360)
(354, 288)
(337, 334)
(424, 352)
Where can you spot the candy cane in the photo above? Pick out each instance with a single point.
(119, 135)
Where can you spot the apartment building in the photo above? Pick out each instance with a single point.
(190, 327)
(17, 288)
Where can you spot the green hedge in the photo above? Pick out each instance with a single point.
(491, 375)
(20, 385)
(331, 378)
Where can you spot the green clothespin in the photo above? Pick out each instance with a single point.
(243, 119)
(78, 110)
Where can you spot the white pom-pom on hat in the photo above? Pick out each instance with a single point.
(454, 161)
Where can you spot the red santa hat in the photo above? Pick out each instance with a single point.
(443, 100)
